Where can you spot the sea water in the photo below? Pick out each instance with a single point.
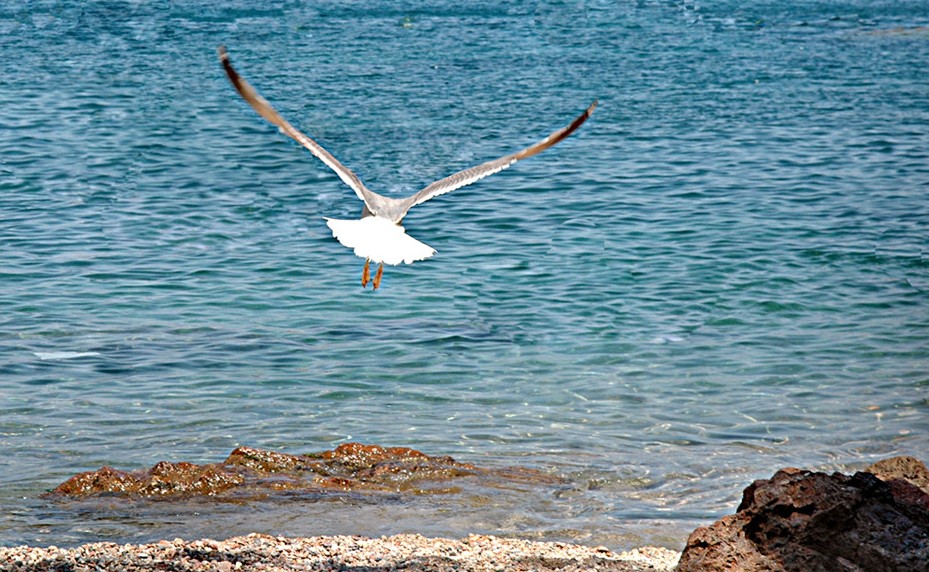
(724, 272)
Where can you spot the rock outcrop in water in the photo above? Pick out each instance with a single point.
(805, 521)
(255, 473)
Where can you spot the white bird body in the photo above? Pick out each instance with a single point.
(376, 238)
(378, 235)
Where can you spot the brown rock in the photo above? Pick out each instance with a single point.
(104, 479)
(805, 521)
(909, 469)
(360, 455)
(250, 472)
(263, 460)
(161, 480)
(400, 466)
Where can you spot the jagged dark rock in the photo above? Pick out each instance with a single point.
(807, 521)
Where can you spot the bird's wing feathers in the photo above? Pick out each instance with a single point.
(468, 176)
(265, 110)
(372, 200)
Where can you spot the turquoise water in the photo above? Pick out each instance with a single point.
(725, 271)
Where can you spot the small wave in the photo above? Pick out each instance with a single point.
(64, 355)
(669, 339)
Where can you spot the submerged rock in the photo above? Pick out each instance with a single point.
(805, 521)
(256, 473)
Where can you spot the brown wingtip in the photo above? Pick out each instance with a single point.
(233, 76)
(557, 136)
(224, 58)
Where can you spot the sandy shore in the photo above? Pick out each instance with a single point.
(408, 552)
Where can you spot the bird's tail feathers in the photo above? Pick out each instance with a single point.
(379, 240)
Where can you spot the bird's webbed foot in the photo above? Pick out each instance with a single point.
(366, 274)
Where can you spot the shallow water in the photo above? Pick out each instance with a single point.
(724, 272)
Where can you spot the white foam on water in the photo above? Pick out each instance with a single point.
(64, 355)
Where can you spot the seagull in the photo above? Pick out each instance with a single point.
(378, 236)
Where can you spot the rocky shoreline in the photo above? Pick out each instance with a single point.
(798, 520)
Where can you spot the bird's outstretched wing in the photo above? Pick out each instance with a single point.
(265, 110)
(468, 176)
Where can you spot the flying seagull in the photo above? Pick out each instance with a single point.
(378, 235)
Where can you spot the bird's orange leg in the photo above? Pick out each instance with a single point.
(377, 277)
(366, 274)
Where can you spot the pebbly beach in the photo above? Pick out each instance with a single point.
(263, 553)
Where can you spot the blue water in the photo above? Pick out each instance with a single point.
(724, 272)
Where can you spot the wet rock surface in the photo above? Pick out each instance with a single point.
(257, 473)
(807, 521)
